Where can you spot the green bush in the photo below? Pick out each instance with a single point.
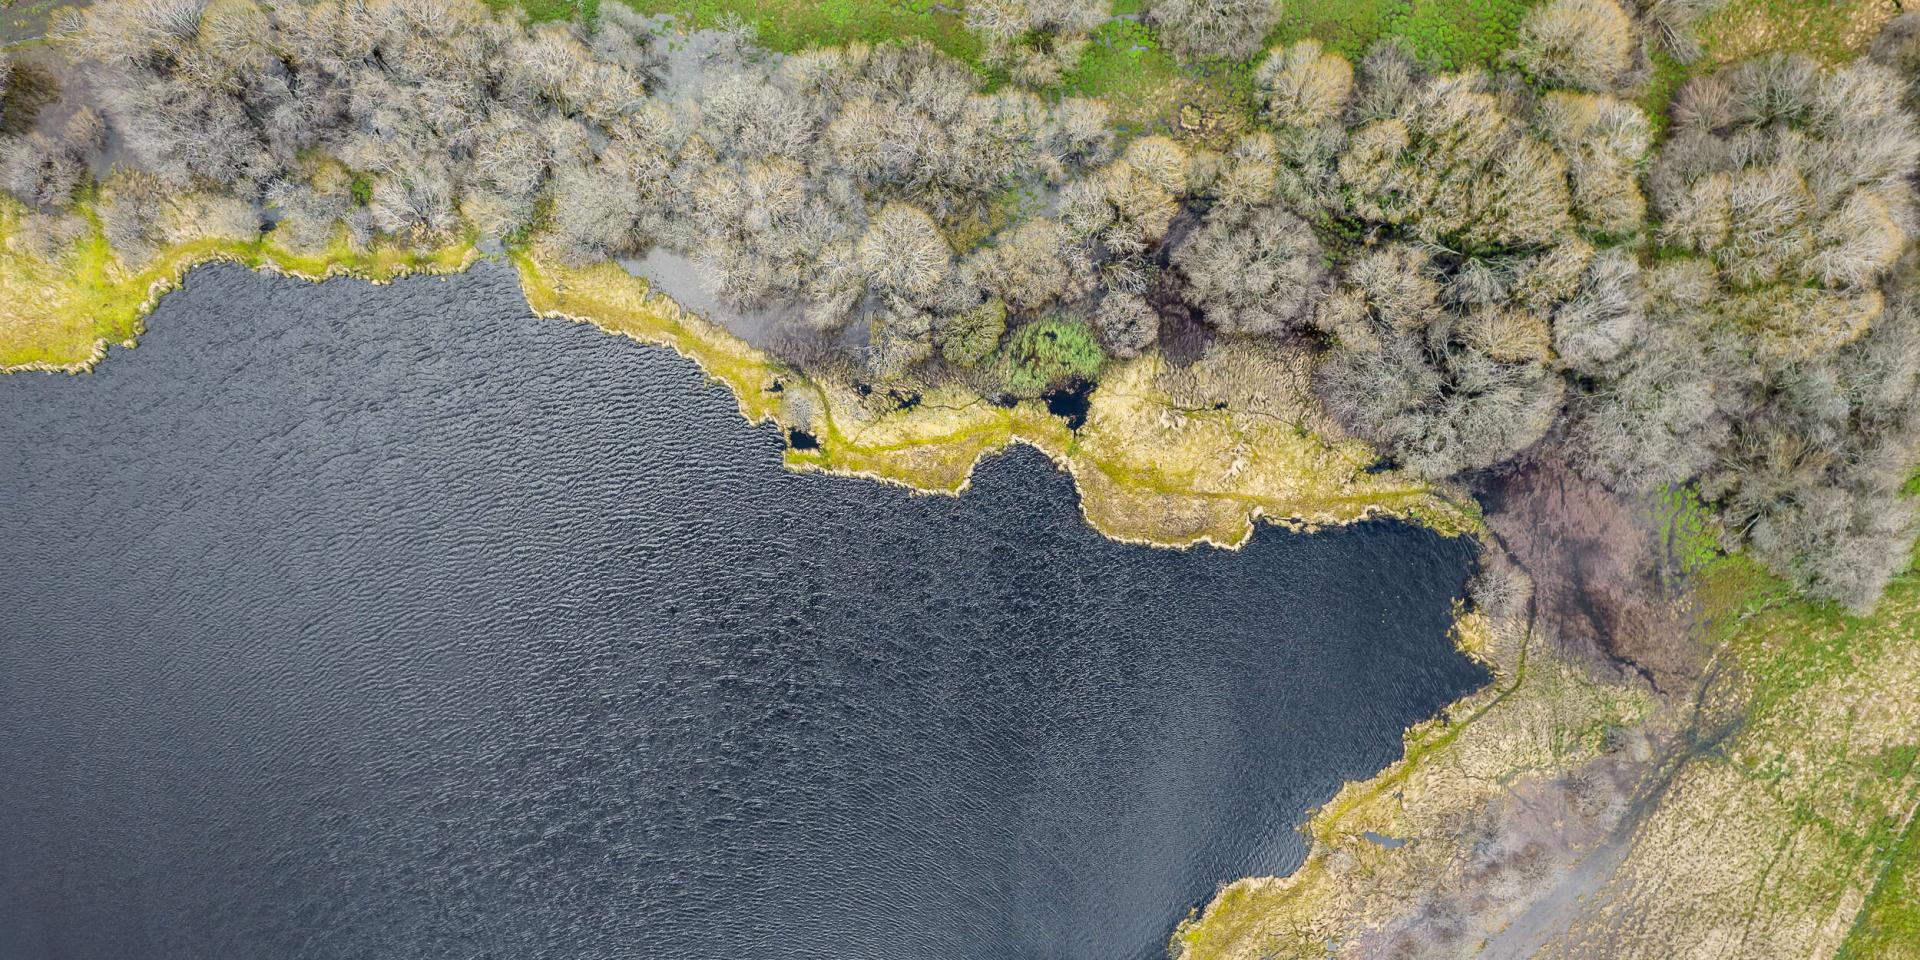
(1050, 353)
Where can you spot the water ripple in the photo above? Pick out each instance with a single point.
(393, 622)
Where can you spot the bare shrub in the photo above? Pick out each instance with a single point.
(1126, 324)
(1301, 85)
(1210, 29)
(1026, 268)
(1670, 23)
(970, 336)
(904, 251)
(1587, 44)
(48, 236)
(1440, 391)
(1252, 273)
(38, 170)
(1038, 41)
(131, 210)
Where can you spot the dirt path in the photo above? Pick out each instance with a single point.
(26, 21)
(1580, 890)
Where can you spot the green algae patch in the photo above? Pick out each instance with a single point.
(1165, 456)
(62, 314)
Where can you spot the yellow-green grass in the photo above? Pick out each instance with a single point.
(610, 299)
(1830, 30)
(62, 315)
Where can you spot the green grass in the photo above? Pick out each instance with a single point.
(1791, 643)
(1668, 76)
(542, 11)
(1687, 527)
(789, 25)
(1125, 66)
(1446, 33)
(1890, 921)
(1049, 353)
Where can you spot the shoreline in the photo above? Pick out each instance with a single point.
(1137, 492)
(1540, 716)
(159, 288)
(933, 450)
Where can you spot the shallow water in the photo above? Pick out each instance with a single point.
(345, 621)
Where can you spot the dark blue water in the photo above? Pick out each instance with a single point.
(353, 622)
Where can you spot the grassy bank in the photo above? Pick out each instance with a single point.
(1150, 467)
(62, 315)
(1539, 716)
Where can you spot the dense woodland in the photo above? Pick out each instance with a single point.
(1492, 265)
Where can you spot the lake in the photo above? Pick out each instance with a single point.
(352, 621)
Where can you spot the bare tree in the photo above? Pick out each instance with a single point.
(1251, 273)
(1587, 44)
(1210, 29)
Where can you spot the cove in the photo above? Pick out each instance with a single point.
(350, 621)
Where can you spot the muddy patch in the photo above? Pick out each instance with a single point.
(1597, 564)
